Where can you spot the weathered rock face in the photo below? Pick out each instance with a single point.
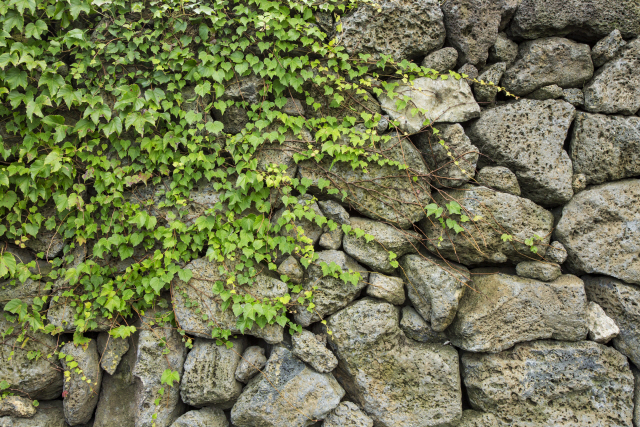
(602, 328)
(82, 397)
(574, 97)
(547, 92)
(253, 360)
(441, 60)
(416, 328)
(402, 29)
(636, 398)
(589, 21)
(471, 418)
(205, 417)
(209, 374)
(49, 414)
(600, 232)
(347, 414)
(388, 288)
(499, 178)
(547, 383)
(607, 48)
(620, 302)
(556, 253)
(538, 270)
(398, 382)
(605, 148)
(509, 309)
(16, 406)
(294, 395)
(501, 213)
(504, 50)
(527, 137)
(311, 349)
(14, 289)
(247, 90)
(491, 76)
(111, 350)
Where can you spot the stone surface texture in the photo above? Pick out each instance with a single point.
(602, 328)
(607, 48)
(252, 362)
(347, 414)
(416, 328)
(499, 178)
(312, 349)
(441, 60)
(82, 389)
(388, 288)
(544, 271)
(205, 417)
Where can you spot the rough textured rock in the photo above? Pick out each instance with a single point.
(538, 270)
(547, 92)
(527, 136)
(332, 293)
(471, 418)
(501, 213)
(448, 100)
(311, 349)
(49, 414)
(209, 374)
(504, 50)
(636, 397)
(111, 351)
(581, 20)
(334, 211)
(205, 417)
(204, 274)
(579, 183)
(313, 395)
(253, 360)
(491, 75)
(40, 378)
(402, 29)
(397, 381)
(311, 229)
(390, 289)
(556, 253)
(434, 287)
(244, 90)
(441, 60)
(605, 148)
(472, 28)
(602, 328)
(416, 328)
(445, 172)
(347, 414)
(547, 383)
(509, 309)
(619, 301)
(607, 48)
(16, 406)
(600, 232)
(573, 96)
(26, 292)
(375, 254)
(470, 70)
(331, 239)
(499, 178)
(615, 87)
(81, 397)
(549, 61)
(291, 268)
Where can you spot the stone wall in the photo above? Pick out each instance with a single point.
(473, 330)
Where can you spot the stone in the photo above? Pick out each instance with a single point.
(403, 30)
(334, 211)
(636, 397)
(472, 28)
(388, 288)
(40, 378)
(347, 414)
(579, 183)
(471, 418)
(293, 107)
(294, 395)
(605, 148)
(599, 229)
(81, 396)
(527, 136)
(507, 309)
(491, 75)
(504, 50)
(435, 287)
(26, 292)
(620, 301)
(209, 374)
(577, 19)
(205, 417)
(499, 178)
(470, 70)
(481, 242)
(16, 406)
(252, 362)
(291, 268)
(397, 381)
(206, 273)
(448, 100)
(311, 229)
(556, 253)
(111, 350)
(550, 384)
(573, 96)
(48, 414)
(416, 328)
(441, 60)
(331, 293)
(602, 328)
(549, 61)
(547, 92)
(444, 171)
(62, 315)
(375, 254)
(607, 48)
(331, 239)
(615, 87)
(508, 9)
(309, 348)
(245, 90)
(538, 270)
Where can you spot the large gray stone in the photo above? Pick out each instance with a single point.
(602, 328)
(205, 417)
(507, 309)
(636, 397)
(490, 76)
(111, 350)
(416, 328)
(471, 418)
(621, 302)
(539, 270)
(607, 48)
(25, 292)
(290, 394)
(599, 229)
(312, 349)
(388, 288)
(434, 287)
(397, 381)
(588, 20)
(547, 92)
(482, 242)
(499, 178)
(49, 414)
(441, 60)
(615, 87)
(17, 406)
(253, 360)
(527, 137)
(504, 50)
(347, 414)
(551, 384)
(82, 389)
(375, 253)
(549, 61)
(605, 148)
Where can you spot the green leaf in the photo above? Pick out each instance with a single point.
(78, 6)
(169, 376)
(9, 199)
